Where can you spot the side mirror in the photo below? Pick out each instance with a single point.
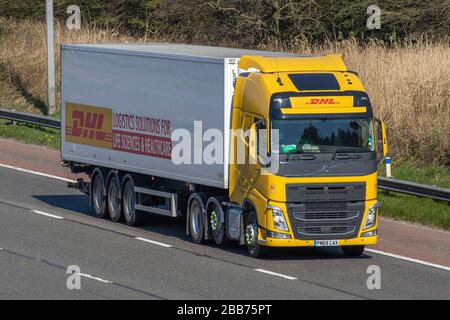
(382, 148)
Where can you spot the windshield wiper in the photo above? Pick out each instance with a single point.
(304, 155)
(337, 150)
(289, 153)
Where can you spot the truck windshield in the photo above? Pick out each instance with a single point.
(324, 135)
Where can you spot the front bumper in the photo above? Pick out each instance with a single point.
(296, 239)
(273, 242)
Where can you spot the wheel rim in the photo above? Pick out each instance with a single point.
(128, 202)
(251, 234)
(214, 221)
(98, 193)
(195, 220)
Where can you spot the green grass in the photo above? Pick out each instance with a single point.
(415, 209)
(30, 134)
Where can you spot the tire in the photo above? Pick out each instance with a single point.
(196, 221)
(98, 197)
(114, 201)
(215, 216)
(254, 249)
(353, 251)
(132, 216)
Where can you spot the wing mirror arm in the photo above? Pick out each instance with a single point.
(382, 148)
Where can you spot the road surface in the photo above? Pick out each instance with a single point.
(45, 227)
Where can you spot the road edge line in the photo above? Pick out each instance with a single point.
(418, 261)
(50, 176)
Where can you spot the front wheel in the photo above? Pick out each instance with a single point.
(254, 249)
(353, 251)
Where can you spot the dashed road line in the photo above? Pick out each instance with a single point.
(46, 214)
(396, 256)
(276, 274)
(95, 278)
(165, 245)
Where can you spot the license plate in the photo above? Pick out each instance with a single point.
(326, 243)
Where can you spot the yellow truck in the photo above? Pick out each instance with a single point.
(267, 149)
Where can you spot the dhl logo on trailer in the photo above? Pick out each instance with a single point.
(89, 125)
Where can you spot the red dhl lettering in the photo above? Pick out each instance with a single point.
(322, 101)
(88, 125)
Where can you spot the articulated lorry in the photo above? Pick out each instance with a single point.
(266, 149)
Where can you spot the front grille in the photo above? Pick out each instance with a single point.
(326, 215)
(326, 219)
(326, 230)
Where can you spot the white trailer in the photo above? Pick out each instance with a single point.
(121, 103)
(145, 92)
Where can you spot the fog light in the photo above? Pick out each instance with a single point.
(369, 233)
(278, 235)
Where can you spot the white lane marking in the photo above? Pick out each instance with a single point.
(425, 263)
(46, 214)
(155, 242)
(94, 278)
(35, 173)
(276, 274)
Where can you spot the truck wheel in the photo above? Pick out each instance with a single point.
(132, 217)
(114, 201)
(215, 216)
(251, 237)
(98, 197)
(196, 221)
(352, 251)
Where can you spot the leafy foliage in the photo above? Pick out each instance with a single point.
(251, 22)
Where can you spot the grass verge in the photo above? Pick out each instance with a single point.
(424, 211)
(30, 134)
(414, 209)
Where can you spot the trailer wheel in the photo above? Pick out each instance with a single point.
(196, 220)
(255, 250)
(98, 196)
(114, 201)
(215, 217)
(353, 251)
(132, 217)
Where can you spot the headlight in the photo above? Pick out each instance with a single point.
(371, 218)
(278, 218)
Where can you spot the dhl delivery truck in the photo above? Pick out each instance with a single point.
(266, 149)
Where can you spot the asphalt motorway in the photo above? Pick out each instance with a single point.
(45, 228)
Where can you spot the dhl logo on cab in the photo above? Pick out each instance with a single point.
(88, 125)
(333, 101)
(322, 101)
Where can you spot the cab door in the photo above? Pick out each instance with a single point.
(245, 165)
